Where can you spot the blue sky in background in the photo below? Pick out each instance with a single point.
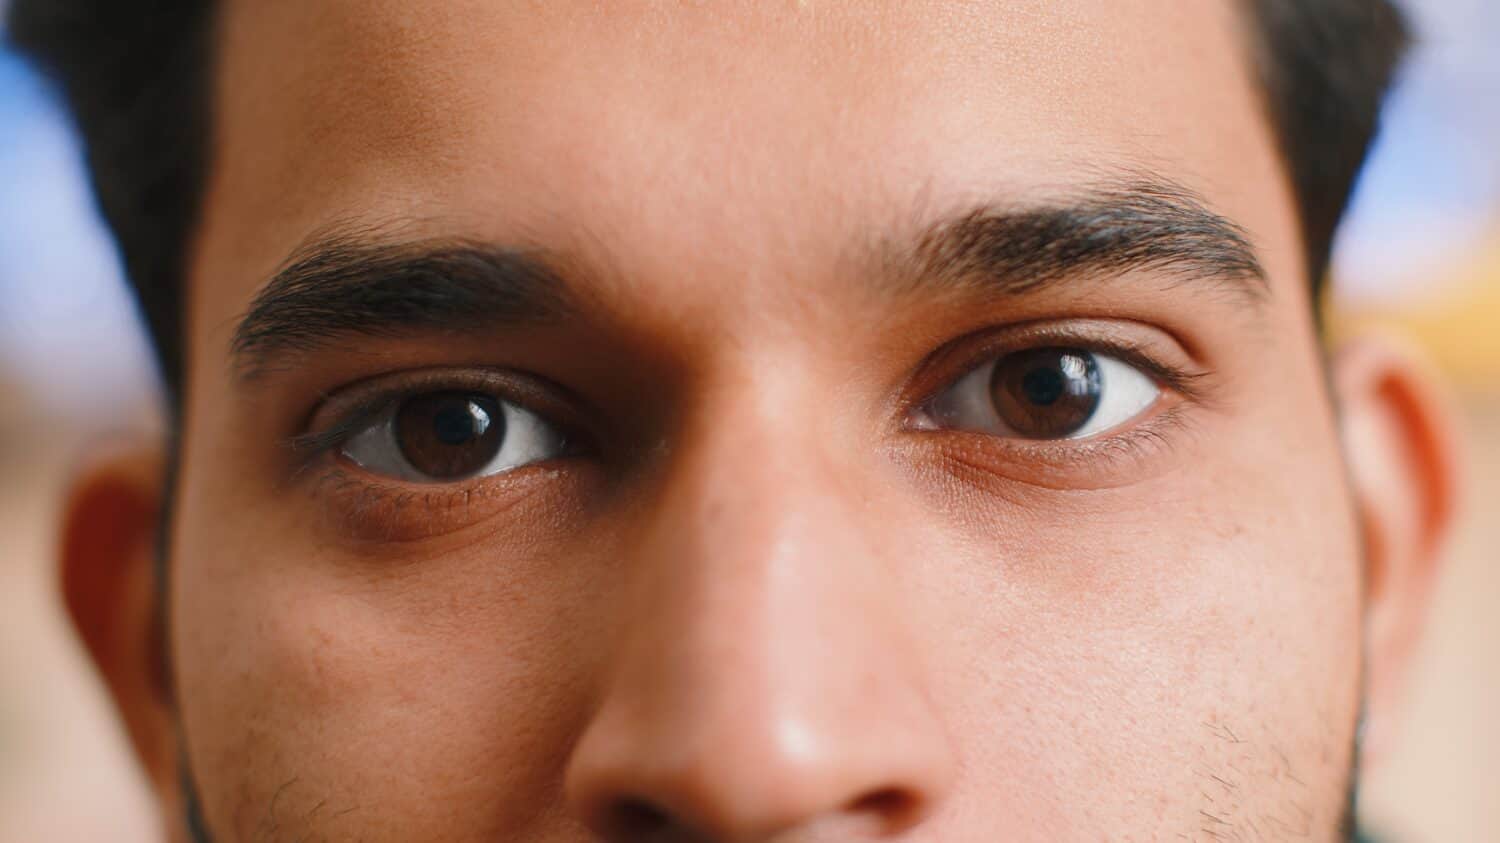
(1428, 200)
(1431, 193)
(66, 325)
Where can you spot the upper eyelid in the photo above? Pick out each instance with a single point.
(1185, 382)
(987, 350)
(379, 395)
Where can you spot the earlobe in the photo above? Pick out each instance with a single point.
(109, 587)
(1401, 448)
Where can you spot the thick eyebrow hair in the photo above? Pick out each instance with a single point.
(1145, 223)
(351, 284)
(347, 284)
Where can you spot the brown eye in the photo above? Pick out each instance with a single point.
(1047, 393)
(439, 437)
(449, 435)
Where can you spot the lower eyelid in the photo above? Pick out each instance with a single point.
(1126, 455)
(367, 507)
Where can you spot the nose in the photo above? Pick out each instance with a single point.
(764, 684)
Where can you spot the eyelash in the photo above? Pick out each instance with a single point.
(375, 504)
(372, 506)
(314, 444)
(955, 364)
(367, 409)
(980, 453)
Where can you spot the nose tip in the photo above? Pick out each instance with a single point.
(761, 713)
(696, 742)
(746, 789)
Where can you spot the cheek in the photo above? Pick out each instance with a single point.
(1188, 647)
(318, 687)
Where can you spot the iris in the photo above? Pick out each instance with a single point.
(448, 435)
(1046, 393)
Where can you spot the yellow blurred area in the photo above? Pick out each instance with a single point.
(1439, 777)
(1458, 323)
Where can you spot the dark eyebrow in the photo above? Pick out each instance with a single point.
(355, 283)
(1140, 224)
(351, 284)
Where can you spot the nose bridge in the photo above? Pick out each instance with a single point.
(750, 511)
(745, 567)
(756, 550)
(765, 679)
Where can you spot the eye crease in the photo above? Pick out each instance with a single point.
(1046, 393)
(440, 437)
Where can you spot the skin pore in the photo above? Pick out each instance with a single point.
(760, 566)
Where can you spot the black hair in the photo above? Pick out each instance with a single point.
(137, 78)
(1325, 67)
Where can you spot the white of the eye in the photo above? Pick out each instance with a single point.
(528, 439)
(967, 404)
(1124, 393)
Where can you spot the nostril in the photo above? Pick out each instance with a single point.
(637, 817)
(891, 806)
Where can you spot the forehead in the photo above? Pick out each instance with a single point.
(779, 123)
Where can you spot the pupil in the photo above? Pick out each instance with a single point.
(1044, 386)
(457, 424)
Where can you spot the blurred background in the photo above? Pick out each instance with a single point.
(1420, 256)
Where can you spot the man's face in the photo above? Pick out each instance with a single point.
(794, 421)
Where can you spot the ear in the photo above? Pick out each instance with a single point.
(1402, 451)
(109, 547)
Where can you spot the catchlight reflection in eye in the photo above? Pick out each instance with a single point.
(1047, 393)
(449, 436)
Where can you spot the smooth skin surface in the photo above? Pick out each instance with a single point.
(764, 591)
